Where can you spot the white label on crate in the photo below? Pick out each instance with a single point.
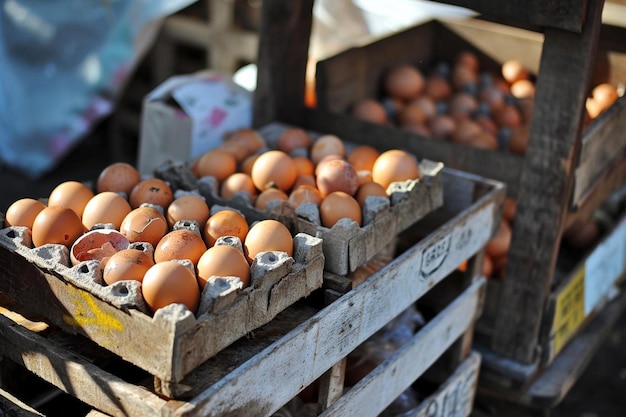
(456, 399)
(605, 264)
(459, 244)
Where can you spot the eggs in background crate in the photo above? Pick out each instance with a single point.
(267, 235)
(339, 205)
(395, 165)
(151, 191)
(118, 177)
(267, 196)
(22, 212)
(274, 168)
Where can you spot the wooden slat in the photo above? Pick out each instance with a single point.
(385, 383)
(75, 375)
(282, 58)
(546, 185)
(14, 407)
(561, 14)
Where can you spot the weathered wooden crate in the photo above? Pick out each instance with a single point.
(346, 245)
(306, 343)
(115, 316)
(356, 74)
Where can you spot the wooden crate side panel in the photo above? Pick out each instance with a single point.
(385, 383)
(314, 347)
(75, 375)
(546, 185)
(560, 14)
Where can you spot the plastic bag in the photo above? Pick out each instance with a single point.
(62, 65)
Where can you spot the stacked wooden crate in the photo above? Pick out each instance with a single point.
(543, 302)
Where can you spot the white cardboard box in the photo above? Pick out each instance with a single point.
(188, 115)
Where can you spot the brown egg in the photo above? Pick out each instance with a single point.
(325, 159)
(188, 207)
(370, 110)
(484, 140)
(274, 169)
(487, 124)
(304, 165)
(304, 180)
(127, 264)
(293, 138)
(368, 189)
(118, 177)
(403, 82)
(438, 88)
(339, 205)
(216, 163)
(170, 282)
(513, 70)
(248, 163)
(23, 212)
(336, 175)
(363, 157)
(71, 194)
(427, 105)
(523, 89)
(463, 106)
(265, 236)
(151, 191)
(58, 225)
(242, 143)
(267, 196)
(97, 244)
(519, 139)
(105, 207)
(411, 114)
(395, 165)
(500, 243)
(327, 145)
(468, 59)
(144, 224)
(225, 223)
(223, 261)
(442, 126)
(463, 75)
(605, 95)
(237, 183)
(465, 131)
(493, 97)
(508, 116)
(179, 244)
(304, 194)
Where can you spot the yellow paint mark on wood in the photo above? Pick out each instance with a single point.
(88, 314)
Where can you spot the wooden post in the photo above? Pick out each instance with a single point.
(546, 184)
(282, 60)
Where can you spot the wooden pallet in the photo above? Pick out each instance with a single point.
(307, 343)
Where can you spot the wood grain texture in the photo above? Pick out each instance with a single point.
(282, 59)
(546, 185)
(561, 14)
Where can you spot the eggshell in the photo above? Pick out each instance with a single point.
(97, 244)
(144, 224)
(170, 282)
(267, 235)
(71, 194)
(105, 207)
(23, 212)
(225, 223)
(223, 261)
(118, 177)
(274, 169)
(57, 225)
(151, 191)
(127, 264)
(395, 165)
(188, 207)
(339, 205)
(180, 244)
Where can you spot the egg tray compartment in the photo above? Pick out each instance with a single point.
(346, 245)
(117, 318)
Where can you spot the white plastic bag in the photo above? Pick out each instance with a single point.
(62, 65)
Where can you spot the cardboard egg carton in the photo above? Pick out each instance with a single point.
(346, 245)
(117, 318)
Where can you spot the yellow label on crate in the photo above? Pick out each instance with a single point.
(569, 311)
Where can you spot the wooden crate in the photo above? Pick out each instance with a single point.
(306, 343)
(356, 73)
(116, 317)
(346, 245)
